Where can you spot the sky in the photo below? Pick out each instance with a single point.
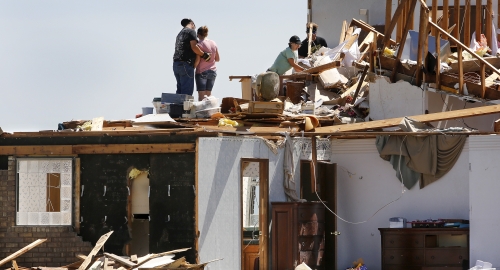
(66, 60)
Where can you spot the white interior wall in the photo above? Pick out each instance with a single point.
(329, 15)
(438, 102)
(391, 100)
(366, 183)
(219, 190)
(219, 194)
(484, 155)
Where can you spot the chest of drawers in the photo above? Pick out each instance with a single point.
(417, 248)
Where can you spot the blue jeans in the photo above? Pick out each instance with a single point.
(184, 74)
(205, 80)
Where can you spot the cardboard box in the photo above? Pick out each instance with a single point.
(265, 107)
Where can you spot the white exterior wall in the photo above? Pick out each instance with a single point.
(366, 183)
(484, 200)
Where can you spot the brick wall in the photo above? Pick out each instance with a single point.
(62, 244)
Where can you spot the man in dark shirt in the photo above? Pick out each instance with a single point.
(316, 42)
(184, 57)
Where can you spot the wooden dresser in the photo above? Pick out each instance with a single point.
(424, 248)
(298, 235)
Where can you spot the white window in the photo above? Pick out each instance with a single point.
(44, 191)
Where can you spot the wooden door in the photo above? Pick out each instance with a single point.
(326, 188)
(327, 174)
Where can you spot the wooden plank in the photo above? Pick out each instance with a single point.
(369, 28)
(99, 244)
(322, 68)
(120, 260)
(133, 148)
(478, 19)
(360, 83)
(445, 21)
(196, 214)
(434, 16)
(18, 150)
(14, 265)
(390, 27)
(145, 258)
(403, 38)
(401, 19)
(77, 198)
(342, 32)
(443, 32)
(421, 118)
(438, 60)
(424, 17)
(488, 21)
(313, 163)
(483, 78)
(388, 13)
(460, 71)
(22, 251)
(239, 77)
(456, 19)
(467, 23)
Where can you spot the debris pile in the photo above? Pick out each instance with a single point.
(97, 260)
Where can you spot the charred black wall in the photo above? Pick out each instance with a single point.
(172, 195)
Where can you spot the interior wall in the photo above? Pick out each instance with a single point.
(329, 15)
(366, 183)
(484, 200)
(219, 190)
(438, 102)
(391, 100)
(219, 194)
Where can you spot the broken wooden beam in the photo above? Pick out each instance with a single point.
(99, 244)
(120, 260)
(22, 251)
(322, 68)
(421, 118)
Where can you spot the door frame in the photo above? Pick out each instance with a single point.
(263, 210)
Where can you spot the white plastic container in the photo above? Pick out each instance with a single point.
(207, 103)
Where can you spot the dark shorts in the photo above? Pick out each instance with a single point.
(205, 80)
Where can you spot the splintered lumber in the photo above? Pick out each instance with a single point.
(148, 257)
(421, 118)
(360, 83)
(322, 68)
(22, 251)
(97, 247)
(120, 260)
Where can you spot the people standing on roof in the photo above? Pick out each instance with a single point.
(316, 42)
(185, 56)
(287, 58)
(206, 71)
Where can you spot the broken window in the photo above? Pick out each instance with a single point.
(44, 188)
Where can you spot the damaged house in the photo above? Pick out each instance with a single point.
(274, 184)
